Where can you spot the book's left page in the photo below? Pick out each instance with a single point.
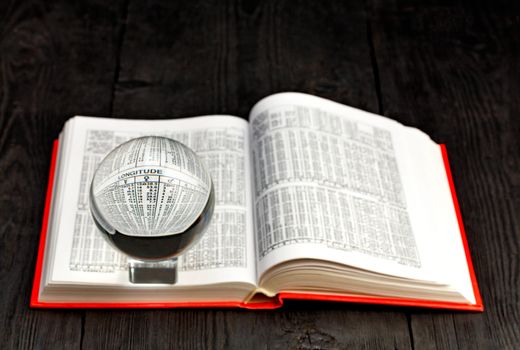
(77, 254)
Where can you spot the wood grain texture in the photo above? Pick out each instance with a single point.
(454, 73)
(448, 69)
(47, 74)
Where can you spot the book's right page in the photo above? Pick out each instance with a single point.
(339, 184)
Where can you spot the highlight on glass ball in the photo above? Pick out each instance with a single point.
(152, 198)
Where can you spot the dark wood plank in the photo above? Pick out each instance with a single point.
(204, 57)
(177, 59)
(317, 326)
(57, 58)
(450, 70)
(454, 73)
(304, 46)
(321, 326)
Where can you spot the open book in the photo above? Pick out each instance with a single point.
(313, 200)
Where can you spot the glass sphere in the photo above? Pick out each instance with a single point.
(152, 197)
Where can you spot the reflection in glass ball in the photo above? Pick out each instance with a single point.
(149, 188)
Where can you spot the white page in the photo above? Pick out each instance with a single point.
(340, 184)
(438, 233)
(225, 253)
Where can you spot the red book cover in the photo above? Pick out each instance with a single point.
(277, 302)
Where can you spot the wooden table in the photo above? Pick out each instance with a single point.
(451, 71)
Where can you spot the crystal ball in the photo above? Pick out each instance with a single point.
(152, 198)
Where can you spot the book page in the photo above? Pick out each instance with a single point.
(330, 183)
(225, 253)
